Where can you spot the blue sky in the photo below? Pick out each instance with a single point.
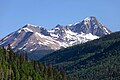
(48, 13)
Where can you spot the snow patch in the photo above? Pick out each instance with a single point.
(24, 48)
(70, 32)
(89, 36)
(106, 30)
(70, 24)
(19, 31)
(15, 39)
(34, 43)
(20, 48)
(27, 29)
(40, 35)
(54, 35)
(76, 23)
(32, 25)
(31, 49)
(39, 43)
(51, 31)
(87, 19)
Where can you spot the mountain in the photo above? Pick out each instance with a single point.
(38, 40)
(94, 60)
(30, 38)
(90, 25)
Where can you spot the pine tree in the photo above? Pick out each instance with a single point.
(63, 75)
(50, 72)
(45, 71)
(17, 67)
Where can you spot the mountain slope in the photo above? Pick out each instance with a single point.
(94, 60)
(31, 38)
(90, 25)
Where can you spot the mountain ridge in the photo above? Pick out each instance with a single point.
(31, 37)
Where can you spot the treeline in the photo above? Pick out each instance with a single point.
(94, 60)
(14, 66)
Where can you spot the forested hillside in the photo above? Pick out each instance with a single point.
(17, 67)
(95, 60)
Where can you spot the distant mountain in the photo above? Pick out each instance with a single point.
(31, 38)
(94, 60)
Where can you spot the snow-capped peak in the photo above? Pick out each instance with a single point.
(90, 18)
(32, 37)
(25, 28)
(32, 25)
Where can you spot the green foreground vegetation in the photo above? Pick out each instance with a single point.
(18, 67)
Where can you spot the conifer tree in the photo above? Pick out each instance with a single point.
(50, 72)
(63, 75)
(17, 67)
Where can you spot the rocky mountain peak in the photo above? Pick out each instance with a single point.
(58, 25)
(34, 29)
(31, 37)
(90, 25)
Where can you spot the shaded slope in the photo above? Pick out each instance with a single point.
(98, 59)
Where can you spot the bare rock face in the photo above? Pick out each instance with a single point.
(90, 25)
(31, 38)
